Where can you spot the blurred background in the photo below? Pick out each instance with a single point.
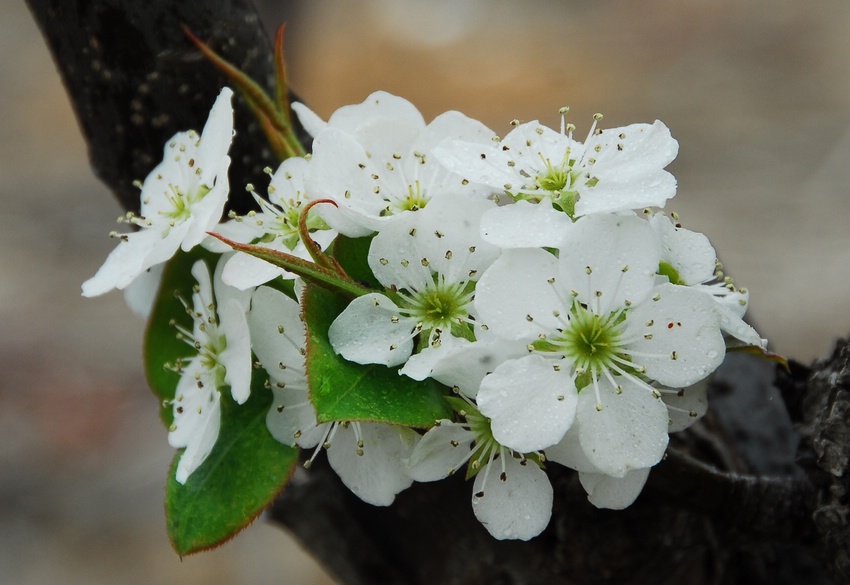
(756, 91)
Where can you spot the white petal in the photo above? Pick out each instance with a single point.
(236, 357)
(440, 452)
(689, 253)
(379, 104)
(340, 169)
(613, 493)
(380, 472)
(621, 431)
(277, 332)
(224, 293)
(516, 504)
(123, 264)
(216, 138)
(244, 271)
(610, 259)
(686, 406)
(525, 225)
(678, 338)
(628, 165)
(311, 121)
(610, 196)
(421, 365)
(646, 148)
(141, 293)
(466, 364)
(515, 298)
(292, 419)
(207, 212)
(410, 248)
(530, 404)
(568, 452)
(370, 331)
(476, 162)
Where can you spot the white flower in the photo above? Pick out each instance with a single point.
(368, 457)
(275, 227)
(560, 178)
(181, 199)
(221, 339)
(599, 331)
(689, 259)
(374, 160)
(429, 262)
(512, 496)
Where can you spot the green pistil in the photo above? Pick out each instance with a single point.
(415, 199)
(591, 342)
(181, 202)
(441, 305)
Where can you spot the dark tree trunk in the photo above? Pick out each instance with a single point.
(707, 515)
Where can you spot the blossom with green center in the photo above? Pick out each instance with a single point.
(515, 504)
(559, 179)
(688, 259)
(222, 358)
(428, 263)
(181, 200)
(275, 226)
(600, 333)
(374, 160)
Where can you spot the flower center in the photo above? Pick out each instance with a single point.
(442, 306)
(591, 341)
(182, 202)
(413, 201)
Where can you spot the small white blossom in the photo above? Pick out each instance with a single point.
(554, 178)
(181, 199)
(374, 160)
(511, 496)
(221, 339)
(275, 226)
(599, 331)
(368, 457)
(689, 259)
(429, 262)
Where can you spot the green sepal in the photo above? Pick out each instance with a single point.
(309, 271)
(762, 353)
(162, 347)
(245, 471)
(346, 391)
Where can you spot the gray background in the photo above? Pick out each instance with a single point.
(756, 91)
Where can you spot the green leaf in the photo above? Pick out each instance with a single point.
(162, 347)
(352, 254)
(245, 471)
(344, 391)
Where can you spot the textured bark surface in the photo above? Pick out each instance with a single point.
(819, 399)
(134, 80)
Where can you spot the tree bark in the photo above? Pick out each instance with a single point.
(707, 515)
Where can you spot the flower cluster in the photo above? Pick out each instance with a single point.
(532, 283)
